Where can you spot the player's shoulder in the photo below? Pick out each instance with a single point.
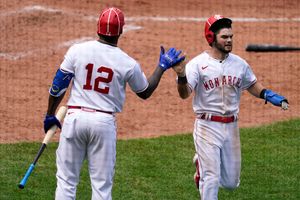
(126, 57)
(84, 43)
(200, 58)
(237, 58)
(80, 45)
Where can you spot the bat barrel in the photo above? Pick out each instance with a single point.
(25, 178)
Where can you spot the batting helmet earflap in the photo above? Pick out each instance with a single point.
(111, 22)
(213, 21)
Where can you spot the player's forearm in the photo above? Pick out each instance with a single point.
(153, 81)
(184, 91)
(269, 96)
(256, 89)
(53, 103)
(182, 87)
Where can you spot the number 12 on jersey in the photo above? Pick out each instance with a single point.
(95, 84)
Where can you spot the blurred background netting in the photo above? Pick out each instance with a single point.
(36, 34)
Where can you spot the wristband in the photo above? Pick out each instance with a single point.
(182, 80)
(262, 94)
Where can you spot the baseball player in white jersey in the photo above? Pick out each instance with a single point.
(99, 71)
(218, 78)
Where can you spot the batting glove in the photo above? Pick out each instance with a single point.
(169, 59)
(49, 121)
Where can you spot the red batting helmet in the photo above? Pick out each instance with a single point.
(111, 22)
(210, 23)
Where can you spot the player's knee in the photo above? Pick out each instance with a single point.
(231, 184)
(65, 189)
(211, 181)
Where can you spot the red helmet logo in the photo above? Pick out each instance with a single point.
(209, 35)
(111, 22)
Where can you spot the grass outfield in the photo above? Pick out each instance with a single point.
(162, 169)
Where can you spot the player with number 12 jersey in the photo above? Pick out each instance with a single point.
(98, 72)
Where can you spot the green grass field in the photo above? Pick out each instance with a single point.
(161, 168)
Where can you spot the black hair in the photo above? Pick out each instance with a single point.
(109, 39)
(221, 23)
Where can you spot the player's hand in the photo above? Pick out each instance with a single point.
(180, 69)
(49, 121)
(170, 58)
(284, 105)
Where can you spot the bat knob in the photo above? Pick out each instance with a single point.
(21, 186)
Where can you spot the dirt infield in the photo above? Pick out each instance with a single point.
(36, 34)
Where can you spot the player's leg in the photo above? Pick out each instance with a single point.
(207, 147)
(197, 172)
(231, 158)
(101, 155)
(69, 158)
(209, 168)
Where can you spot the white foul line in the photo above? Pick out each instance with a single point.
(203, 19)
(20, 55)
(127, 27)
(29, 9)
(35, 8)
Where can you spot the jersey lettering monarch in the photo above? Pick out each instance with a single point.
(225, 80)
(104, 79)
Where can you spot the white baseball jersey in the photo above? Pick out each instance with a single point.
(218, 84)
(101, 73)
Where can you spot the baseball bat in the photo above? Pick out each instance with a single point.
(50, 133)
(270, 48)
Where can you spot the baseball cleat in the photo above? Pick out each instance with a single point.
(197, 174)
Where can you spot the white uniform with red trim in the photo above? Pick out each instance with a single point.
(100, 75)
(217, 87)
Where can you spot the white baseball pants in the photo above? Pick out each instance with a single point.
(219, 154)
(91, 136)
